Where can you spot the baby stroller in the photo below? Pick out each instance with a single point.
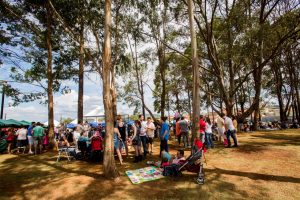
(194, 163)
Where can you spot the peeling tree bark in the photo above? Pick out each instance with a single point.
(196, 72)
(109, 166)
(49, 76)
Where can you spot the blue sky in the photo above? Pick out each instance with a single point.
(64, 105)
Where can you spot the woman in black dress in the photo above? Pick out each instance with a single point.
(122, 130)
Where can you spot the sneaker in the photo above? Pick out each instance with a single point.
(30, 152)
(150, 162)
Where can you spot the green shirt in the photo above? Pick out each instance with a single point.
(38, 131)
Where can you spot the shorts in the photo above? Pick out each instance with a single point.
(149, 140)
(116, 143)
(221, 132)
(30, 140)
(136, 141)
(38, 140)
(21, 143)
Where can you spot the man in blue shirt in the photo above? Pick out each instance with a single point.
(164, 135)
(29, 136)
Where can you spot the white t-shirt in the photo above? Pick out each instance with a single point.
(79, 128)
(22, 134)
(143, 128)
(220, 122)
(208, 128)
(76, 135)
(228, 123)
(150, 129)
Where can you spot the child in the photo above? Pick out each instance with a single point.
(179, 157)
(166, 158)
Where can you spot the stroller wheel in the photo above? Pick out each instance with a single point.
(200, 181)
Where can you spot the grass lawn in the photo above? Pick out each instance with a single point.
(266, 165)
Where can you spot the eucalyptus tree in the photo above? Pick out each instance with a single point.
(38, 44)
(284, 83)
(103, 51)
(155, 16)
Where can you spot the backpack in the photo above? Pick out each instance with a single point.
(171, 170)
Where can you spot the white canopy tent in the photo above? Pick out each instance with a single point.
(56, 123)
(92, 116)
(96, 115)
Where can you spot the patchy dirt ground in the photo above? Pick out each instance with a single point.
(266, 165)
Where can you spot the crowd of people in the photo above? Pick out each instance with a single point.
(35, 137)
(139, 135)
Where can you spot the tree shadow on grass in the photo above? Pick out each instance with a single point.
(279, 139)
(22, 174)
(255, 176)
(183, 187)
(25, 173)
(251, 148)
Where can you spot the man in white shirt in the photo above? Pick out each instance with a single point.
(230, 130)
(150, 134)
(143, 134)
(21, 133)
(221, 129)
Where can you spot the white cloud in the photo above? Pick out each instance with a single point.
(65, 105)
(29, 112)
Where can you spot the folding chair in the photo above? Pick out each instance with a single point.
(63, 151)
(23, 147)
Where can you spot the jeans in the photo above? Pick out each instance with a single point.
(185, 138)
(231, 133)
(209, 141)
(164, 146)
(144, 143)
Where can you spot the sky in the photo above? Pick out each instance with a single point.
(65, 105)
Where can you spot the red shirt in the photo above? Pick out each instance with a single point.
(10, 136)
(202, 125)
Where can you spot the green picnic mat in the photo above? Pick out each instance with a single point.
(144, 174)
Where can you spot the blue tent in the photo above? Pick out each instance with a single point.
(71, 125)
(130, 122)
(102, 124)
(94, 124)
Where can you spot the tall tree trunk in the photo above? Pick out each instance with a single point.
(140, 81)
(196, 77)
(81, 73)
(162, 63)
(114, 93)
(143, 98)
(258, 71)
(109, 166)
(279, 84)
(162, 69)
(189, 102)
(49, 75)
(295, 84)
(178, 107)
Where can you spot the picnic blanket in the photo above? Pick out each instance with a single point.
(144, 174)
